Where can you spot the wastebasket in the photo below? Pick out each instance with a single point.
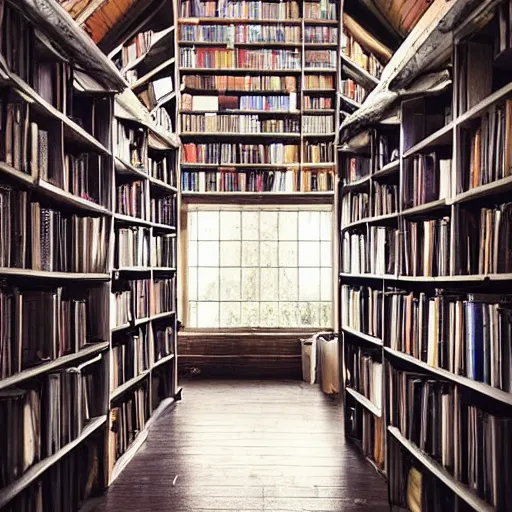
(308, 359)
(328, 348)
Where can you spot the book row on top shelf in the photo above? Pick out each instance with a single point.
(425, 258)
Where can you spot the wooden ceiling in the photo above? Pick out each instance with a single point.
(98, 17)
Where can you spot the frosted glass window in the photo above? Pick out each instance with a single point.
(263, 267)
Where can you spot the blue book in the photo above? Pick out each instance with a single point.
(474, 340)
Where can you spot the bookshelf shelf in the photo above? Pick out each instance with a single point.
(30, 373)
(350, 101)
(313, 21)
(371, 220)
(215, 92)
(276, 44)
(46, 274)
(320, 70)
(319, 135)
(126, 168)
(31, 475)
(485, 389)
(318, 165)
(365, 180)
(152, 74)
(457, 487)
(495, 187)
(362, 335)
(365, 402)
(164, 227)
(442, 137)
(164, 269)
(11, 172)
(427, 208)
(387, 170)
(132, 269)
(165, 314)
(189, 165)
(247, 112)
(239, 21)
(135, 323)
(160, 184)
(363, 77)
(131, 220)
(247, 71)
(318, 111)
(123, 388)
(205, 195)
(228, 135)
(162, 361)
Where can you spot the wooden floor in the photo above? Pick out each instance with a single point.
(248, 446)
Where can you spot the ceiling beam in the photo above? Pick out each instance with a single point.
(89, 10)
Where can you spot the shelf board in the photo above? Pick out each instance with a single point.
(136, 323)
(262, 44)
(319, 165)
(369, 276)
(319, 90)
(21, 176)
(30, 373)
(483, 105)
(221, 135)
(363, 336)
(315, 21)
(319, 111)
(214, 92)
(357, 183)
(350, 101)
(162, 361)
(364, 78)
(442, 137)
(123, 388)
(34, 473)
(159, 316)
(132, 220)
(127, 456)
(365, 402)
(256, 194)
(154, 72)
(425, 208)
(159, 183)
(370, 220)
(132, 269)
(239, 21)
(429, 279)
(485, 389)
(189, 165)
(496, 187)
(46, 274)
(259, 71)
(388, 169)
(164, 269)
(72, 131)
(319, 135)
(320, 70)
(438, 471)
(333, 46)
(238, 112)
(165, 227)
(68, 198)
(127, 168)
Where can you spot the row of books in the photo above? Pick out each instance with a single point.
(163, 167)
(322, 10)
(220, 153)
(320, 59)
(258, 181)
(317, 124)
(322, 152)
(385, 199)
(130, 301)
(426, 178)
(163, 210)
(245, 9)
(38, 422)
(130, 356)
(353, 90)
(66, 319)
(355, 168)
(246, 33)
(426, 248)
(130, 144)
(386, 149)
(367, 429)
(164, 337)
(136, 48)
(466, 334)
(489, 157)
(355, 206)
(319, 34)
(163, 251)
(225, 103)
(239, 58)
(67, 484)
(131, 199)
(213, 123)
(162, 117)
(319, 82)
(244, 83)
(156, 92)
(164, 295)
(354, 51)
(364, 373)
(128, 419)
(42, 238)
(441, 421)
(317, 102)
(20, 151)
(375, 251)
(361, 309)
(132, 247)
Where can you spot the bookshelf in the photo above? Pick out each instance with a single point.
(263, 76)
(65, 252)
(424, 282)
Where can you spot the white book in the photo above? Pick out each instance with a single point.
(210, 103)
(445, 178)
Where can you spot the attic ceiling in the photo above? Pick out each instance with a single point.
(391, 19)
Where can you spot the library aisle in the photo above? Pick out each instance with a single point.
(248, 446)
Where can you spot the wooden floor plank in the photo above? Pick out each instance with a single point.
(248, 447)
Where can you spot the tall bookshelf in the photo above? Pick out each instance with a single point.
(70, 418)
(258, 98)
(424, 287)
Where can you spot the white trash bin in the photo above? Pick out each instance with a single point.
(309, 359)
(329, 362)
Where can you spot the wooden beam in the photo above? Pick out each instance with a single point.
(89, 10)
(430, 39)
(52, 19)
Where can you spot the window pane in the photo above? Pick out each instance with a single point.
(208, 314)
(230, 314)
(250, 226)
(288, 255)
(268, 254)
(309, 254)
(309, 314)
(269, 314)
(309, 225)
(230, 254)
(287, 314)
(230, 280)
(208, 254)
(250, 314)
(268, 226)
(288, 225)
(269, 285)
(326, 254)
(309, 284)
(250, 254)
(288, 284)
(230, 225)
(208, 284)
(250, 284)
(208, 225)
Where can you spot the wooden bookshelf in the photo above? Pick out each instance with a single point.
(439, 187)
(310, 101)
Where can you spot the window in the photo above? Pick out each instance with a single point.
(262, 267)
